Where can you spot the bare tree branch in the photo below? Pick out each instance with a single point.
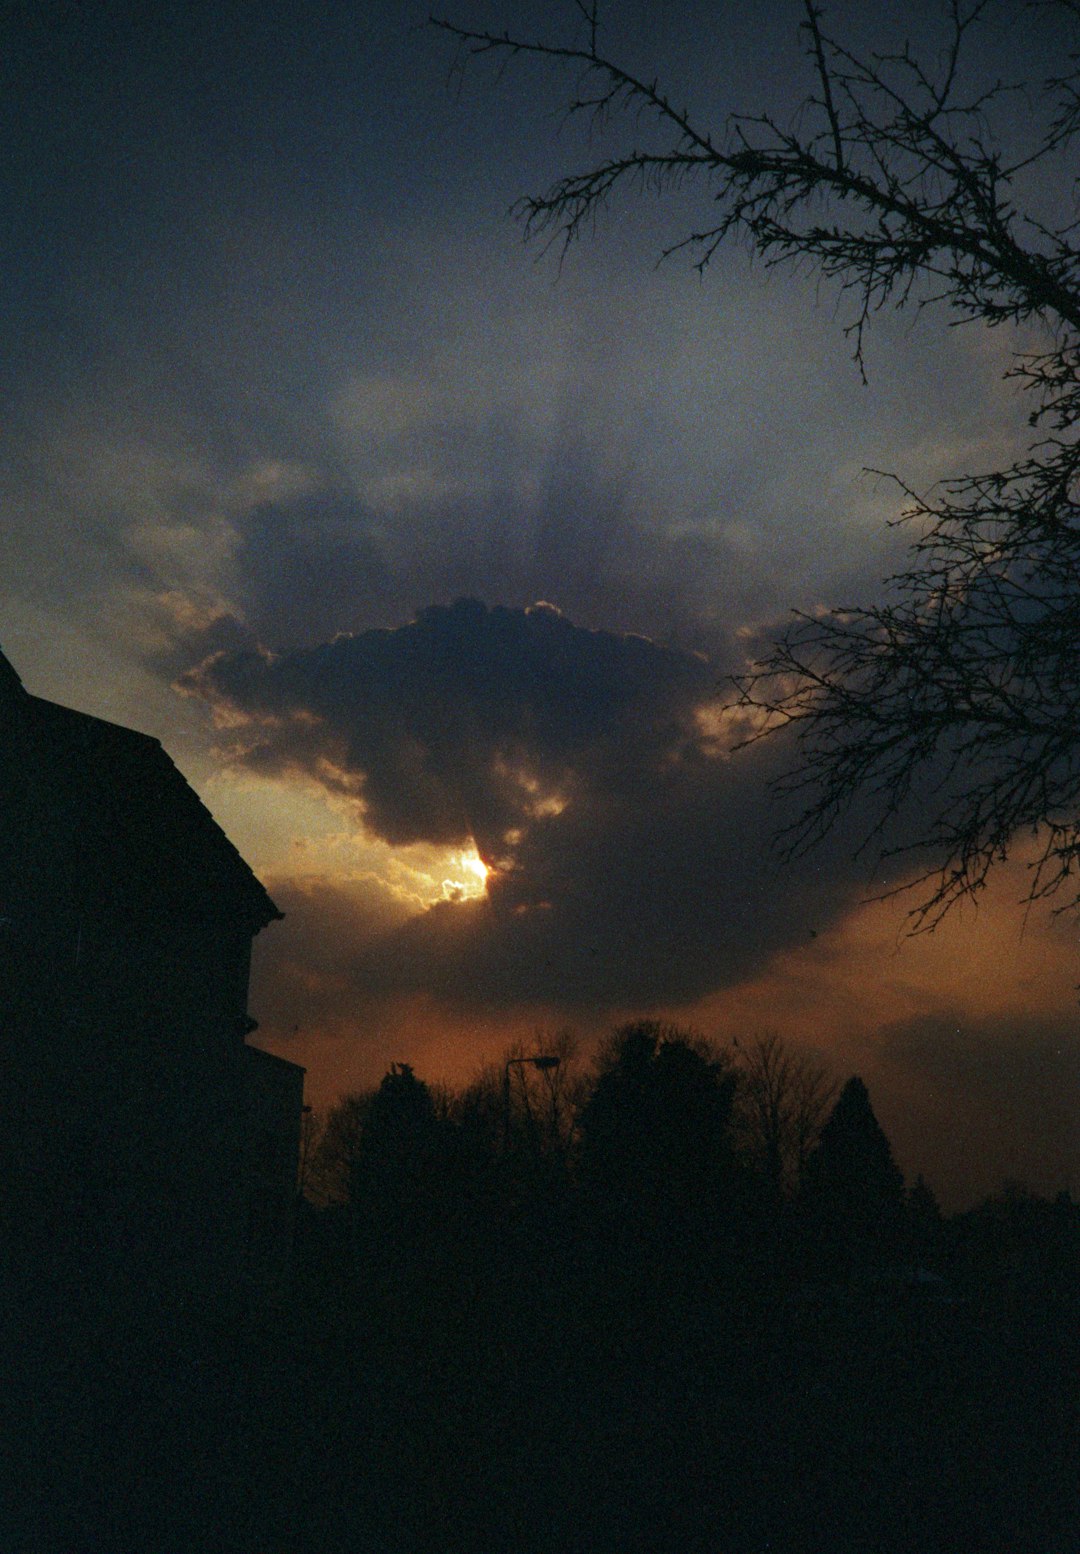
(813, 23)
(783, 1101)
(962, 689)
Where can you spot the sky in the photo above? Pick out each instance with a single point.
(428, 558)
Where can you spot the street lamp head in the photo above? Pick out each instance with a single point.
(545, 1060)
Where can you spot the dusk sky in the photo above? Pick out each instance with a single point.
(427, 558)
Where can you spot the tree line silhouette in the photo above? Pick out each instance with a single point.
(681, 1300)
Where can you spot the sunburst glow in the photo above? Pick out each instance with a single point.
(467, 878)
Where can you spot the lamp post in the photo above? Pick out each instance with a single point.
(544, 1061)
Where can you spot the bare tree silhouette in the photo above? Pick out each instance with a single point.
(902, 183)
(783, 1100)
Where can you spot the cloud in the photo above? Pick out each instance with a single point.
(553, 521)
(467, 724)
(629, 855)
(432, 420)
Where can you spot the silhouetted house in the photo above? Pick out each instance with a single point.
(126, 922)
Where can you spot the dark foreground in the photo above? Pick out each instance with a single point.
(526, 1375)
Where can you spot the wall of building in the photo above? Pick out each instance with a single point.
(274, 1098)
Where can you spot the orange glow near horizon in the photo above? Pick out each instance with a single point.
(950, 1031)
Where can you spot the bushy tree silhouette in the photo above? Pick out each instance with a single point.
(334, 1150)
(392, 1169)
(655, 1131)
(854, 1191)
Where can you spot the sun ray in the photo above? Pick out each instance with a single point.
(467, 876)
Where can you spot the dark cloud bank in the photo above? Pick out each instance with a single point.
(630, 855)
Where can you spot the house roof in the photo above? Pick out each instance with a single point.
(138, 834)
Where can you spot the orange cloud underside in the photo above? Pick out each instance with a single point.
(860, 993)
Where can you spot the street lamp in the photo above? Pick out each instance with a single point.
(544, 1061)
